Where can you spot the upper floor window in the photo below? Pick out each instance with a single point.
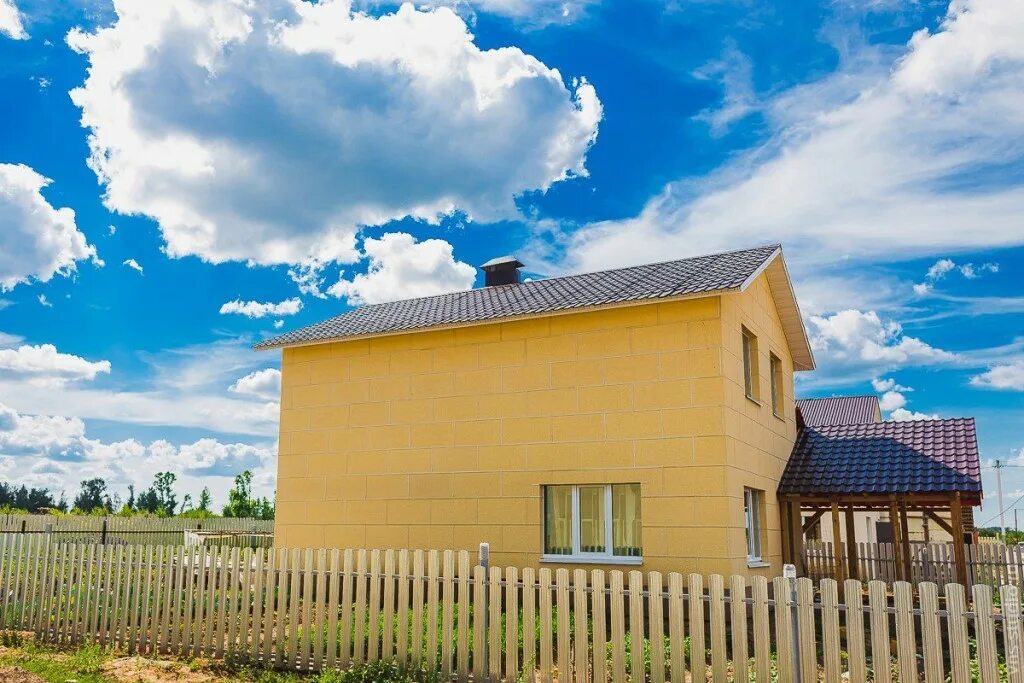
(753, 500)
(592, 523)
(776, 373)
(750, 373)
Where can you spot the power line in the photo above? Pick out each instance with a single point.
(996, 516)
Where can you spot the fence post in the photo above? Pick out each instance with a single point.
(485, 562)
(789, 572)
(103, 532)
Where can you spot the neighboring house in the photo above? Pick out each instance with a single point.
(874, 526)
(638, 416)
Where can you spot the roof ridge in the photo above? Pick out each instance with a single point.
(832, 398)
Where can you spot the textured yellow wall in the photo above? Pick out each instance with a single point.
(758, 443)
(443, 439)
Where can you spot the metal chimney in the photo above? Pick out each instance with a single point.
(503, 270)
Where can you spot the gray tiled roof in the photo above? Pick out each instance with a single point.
(919, 456)
(839, 410)
(702, 274)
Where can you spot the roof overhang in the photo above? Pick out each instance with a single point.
(775, 270)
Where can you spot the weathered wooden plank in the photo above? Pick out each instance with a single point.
(618, 625)
(881, 666)
(716, 607)
(695, 598)
(985, 632)
(656, 625)
(855, 649)
(830, 630)
(906, 643)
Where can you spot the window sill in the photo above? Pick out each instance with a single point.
(591, 559)
(758, 564)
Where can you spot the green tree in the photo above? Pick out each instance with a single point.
(93, 497)
(205, 500)
(241, 502)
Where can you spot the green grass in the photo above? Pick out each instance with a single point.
(82, 665)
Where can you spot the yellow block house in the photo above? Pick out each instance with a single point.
(638, 416)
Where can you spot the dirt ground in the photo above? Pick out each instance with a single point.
(13, 674)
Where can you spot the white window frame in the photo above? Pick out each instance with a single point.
(578, 556)
(775, 370)
(752, 521)
(749, 352)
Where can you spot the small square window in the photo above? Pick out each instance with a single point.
(750, 374)
(776, 372)
(592, 522)
(753, 500)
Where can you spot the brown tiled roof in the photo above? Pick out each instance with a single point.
(839, 410)
(699, 275)
(919, 456)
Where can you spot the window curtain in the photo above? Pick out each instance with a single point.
(626, 525)
(558, 520)
(592, 529)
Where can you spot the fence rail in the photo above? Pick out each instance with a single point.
(988, 563)
(127, 530)
(312, 610)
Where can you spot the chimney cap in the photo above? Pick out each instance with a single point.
(506, 261)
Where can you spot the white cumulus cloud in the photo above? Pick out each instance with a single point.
(10, 21)
(1006, 376)
(256, 309)
(269, 132)
(37, 241)
(402, 268)
(853, 337)
(44, 364)
(133, 264)
(881, 160)
(61, 454)
(265, 384)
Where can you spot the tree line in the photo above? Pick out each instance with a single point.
(160, 499)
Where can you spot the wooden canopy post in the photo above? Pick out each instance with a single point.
(897, 541)
(797, 541)
(908, 574)
(785, 523)
(837, 543)
(959, 551)
(851, 543)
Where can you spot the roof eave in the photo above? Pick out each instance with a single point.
(788, 307)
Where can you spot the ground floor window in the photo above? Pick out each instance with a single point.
(592, 522)
(753, 501)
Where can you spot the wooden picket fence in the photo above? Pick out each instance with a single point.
(139, 530)
(989, 563)
(309, 610)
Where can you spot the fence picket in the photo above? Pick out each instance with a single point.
(433, 577)
(347, 588)
(656, 625)
(906, 644)
(334, 591)
(580, 641)
(695, 598)
(985, 632)
(494, 624)
(1009, 600)
(544, 606)
(781, 589)
(463, 617)
(388, 635)
(529, 623)
(830, 630)
(359, 619)
(762, 633)
(320, 606)
(306, 643)
(373, 611)
(854, 594)
(716, 606)
(805, 622)
(511, 623)
(417, 607)
(879, 626)
(448, 613)
(618, 628)
(479, 612)
(931, 636)
(564, 633)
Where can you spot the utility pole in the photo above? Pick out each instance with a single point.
(1016, 526)
(999, 488)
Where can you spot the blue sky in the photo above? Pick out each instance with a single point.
(181, 179)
